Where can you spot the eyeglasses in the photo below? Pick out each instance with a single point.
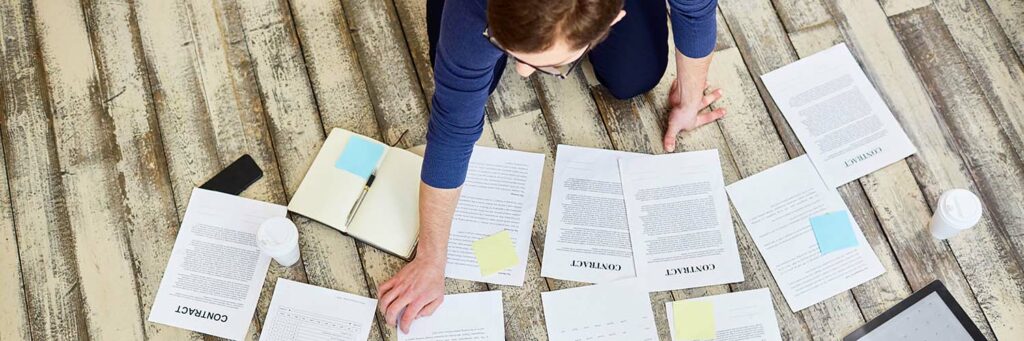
(561, 71)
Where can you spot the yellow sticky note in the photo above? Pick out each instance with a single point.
(495, 253)
(693, 320)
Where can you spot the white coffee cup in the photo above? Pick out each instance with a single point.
(957, 210)
(278, 238)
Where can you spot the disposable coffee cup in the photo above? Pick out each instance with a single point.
(957, 210)
(278, 238)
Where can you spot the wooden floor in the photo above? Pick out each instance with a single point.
(113, 110)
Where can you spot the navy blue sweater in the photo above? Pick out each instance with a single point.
(464, 66)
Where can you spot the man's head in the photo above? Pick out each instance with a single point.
(550, 32)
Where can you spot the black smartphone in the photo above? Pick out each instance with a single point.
(236, 177)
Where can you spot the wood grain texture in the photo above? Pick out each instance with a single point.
(937, 166)
(93, 189)
(896, 7)
(15, 325)
(152, 222)
(298, 131)
(413, 16)
(1010, 14)
(882, 292)
(991, 59)
(43, 231)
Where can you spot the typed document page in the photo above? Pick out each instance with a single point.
(839, 117)
(619, 310)
(500, 193)
(470, 316)
(300, 311)
(216, 271)
(681, 230)
(587, 236)
(776, 206)
(737, 316)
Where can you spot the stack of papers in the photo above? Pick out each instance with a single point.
(745, 315)
(662, 218)
(472, 316)
(619, 310)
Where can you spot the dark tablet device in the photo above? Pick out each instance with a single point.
(236, 177)
(929, 314)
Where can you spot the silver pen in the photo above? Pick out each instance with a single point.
(355, 208)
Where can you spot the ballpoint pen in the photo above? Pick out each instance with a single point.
(355, 208)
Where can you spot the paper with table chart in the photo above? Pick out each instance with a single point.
(300, 311)
(619, 310)
(471, 316)
(776, 206)
(500, 193)
(587, 236)
(215, 273)
(679, 220)
(838, 116)
(738, 316)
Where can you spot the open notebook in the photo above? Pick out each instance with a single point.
(388, 216)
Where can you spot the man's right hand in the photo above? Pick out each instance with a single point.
(418, 289)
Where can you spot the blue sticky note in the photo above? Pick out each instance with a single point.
(360, 156)
(833, 231)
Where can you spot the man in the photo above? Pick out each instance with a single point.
(470, 40)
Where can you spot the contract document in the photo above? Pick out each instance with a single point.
(587, 236)
(738, 316)
(839, 117)
(301, 311)
(214, 276)
(619, 310)
(776, 206)
(472, 316)
(680, 227)
(500, 193)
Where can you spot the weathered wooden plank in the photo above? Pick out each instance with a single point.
(515, 115)
(882, 292)
(988, 53)
(12, 295)
(201, 75)
(937, 167)
(88, 154)
(332, 260)
(45, 243)
(960, 99)
(152, 218)
(895, 7)
(333, 67)
(412, 14)
(388, 70)
(799, 15)
(1011, 18)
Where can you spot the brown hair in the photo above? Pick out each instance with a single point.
(535, 25)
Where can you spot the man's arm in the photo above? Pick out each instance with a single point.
(693, 25)
(463, 69)
(419, 286)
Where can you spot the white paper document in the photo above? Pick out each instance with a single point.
(839, 117)
(471, 316)
(300, 311)
(619, 310)
(680, 227)
(738, 316)
(776, 206)
(500, 193)
(214, 276)
(587, 236)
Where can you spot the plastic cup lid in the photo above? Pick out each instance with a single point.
(277, 234)
(960, 206)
